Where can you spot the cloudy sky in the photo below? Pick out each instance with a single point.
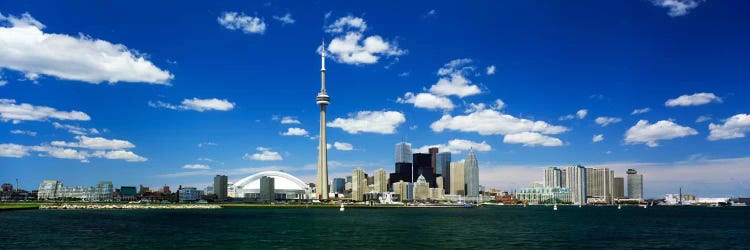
(160, 93)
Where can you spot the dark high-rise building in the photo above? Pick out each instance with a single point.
(444, 169)
(220, 187)
(128, 193)
(267, 189)
(423, 166)
(339, 185)
(403, 172)
(7, 187)
(619, 191)
(433, 159)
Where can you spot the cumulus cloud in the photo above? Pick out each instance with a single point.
(580, 114)
(427, 101)
(196, 166)
(351, 46)
(597, 138)
(493, 122)
(380, 122)
(265, 154)
(453, 80)
(734, 127)
(491, 70)
(13, 150)
(10, 111)
(285, 19)
(206, 144)
(295, 132)
(196, 104)
(76, 130)
(120, 155)
(640, 111)
(343, 146)
(23, 132)
(97, 143)
(604, 121)
(457, 146)
(696, 99)
(703, 118)
(19, 151)
(677, 7)
(649, 134)
(28, 49)
(532, 139)
(289, 120)
(240, 21)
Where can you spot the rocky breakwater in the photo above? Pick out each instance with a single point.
(126, 206)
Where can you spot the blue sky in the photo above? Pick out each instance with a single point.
(164, 93)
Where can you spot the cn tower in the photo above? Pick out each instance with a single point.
(322, 100)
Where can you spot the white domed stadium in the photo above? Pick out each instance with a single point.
(286, 186)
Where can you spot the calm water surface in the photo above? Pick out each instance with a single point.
(485, 228)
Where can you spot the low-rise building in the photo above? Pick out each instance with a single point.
(545, 195)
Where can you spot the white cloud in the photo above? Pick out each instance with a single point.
(196, 166)
(196, 104)
(734, 127)
(640, 111)
(23, 132)
(26, 48)
(265, 155)
(597, 138)
(580, 114)
(97, 143)
(206, 144)
(343, 146)
(696, 99)
(703, 118)
(604, 121)
(10, 111)
(76, 130)
(354, 47)
(240, 21)
(491, 70)
(532, 139)
(380, 122)
(295, 132)
(492, 122)
(18, 151)
(457, 146)
(286, 19)
(677, 7)
(430, 13)
(649, 134)
(13, 150)
(427, 101)
(62, 153)
(289, 120)
(453, 79)
(120, 155)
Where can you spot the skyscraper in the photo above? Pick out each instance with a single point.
(599, 185)
(379, 181)
(635, 184)
(457, 178)
(575, 178)
(471, 166)
(421, 189)
(403, 152)
(338, 185)
(267, 188)
(444, 169)
(400, 188)
(359, 184)
(220, 187)
(553, 177)
(433, 159)
(323, 100)
(423, 166)
(619, 191)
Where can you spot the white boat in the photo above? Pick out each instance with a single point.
(555, 207)
(342, 207)
(619, 206)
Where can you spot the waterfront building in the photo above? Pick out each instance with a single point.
(187, 194)
(359, 184)
(338, 185)
(437, 193)
(128, 193)
(209, 190)
(403, 172)
(230, 189)
(440, 182)
(471, 166)
(7, 187)
(545, 195)
(433, 159)
(444, 169)
(457, 178)
(563, 182)
(599, 185)
(401, 189)
(220, 187)
(423, 166)
(410, 191)
(380, 182)
(285, 185)
(165, 189)
(403, 152)
(322, 100)
(552, 177)
(619, 191)
(76, 193)
(105, 191)
(635, 184)
(421, 189)
(48, 189)
(575, 178)
(267, 189)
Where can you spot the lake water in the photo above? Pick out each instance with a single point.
(483, 228)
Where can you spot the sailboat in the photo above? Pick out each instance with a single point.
(342, 207)
(555, 207)
(619, 206)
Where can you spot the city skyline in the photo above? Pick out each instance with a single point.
(227, 90)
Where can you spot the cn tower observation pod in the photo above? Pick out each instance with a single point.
(284, 183)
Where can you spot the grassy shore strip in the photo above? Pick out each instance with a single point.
(18, 206)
